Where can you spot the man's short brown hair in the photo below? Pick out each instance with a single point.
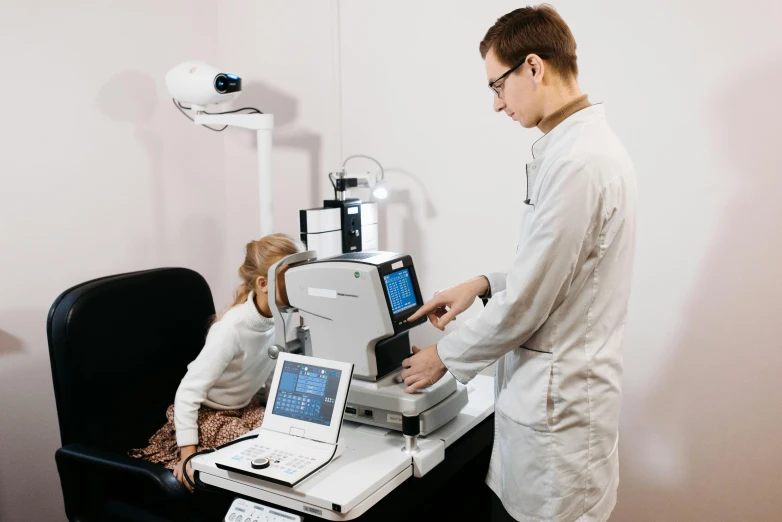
(538, 30)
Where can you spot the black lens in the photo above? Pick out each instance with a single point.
(220, 83)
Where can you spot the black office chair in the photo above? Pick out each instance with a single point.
(119, 346)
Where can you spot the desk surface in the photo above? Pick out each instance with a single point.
(371, 466)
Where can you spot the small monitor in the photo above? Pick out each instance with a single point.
(307, 397)
(399, 287)
(307, 392)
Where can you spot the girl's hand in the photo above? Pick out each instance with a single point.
(184, 452)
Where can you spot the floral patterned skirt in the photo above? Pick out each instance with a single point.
(215, 428)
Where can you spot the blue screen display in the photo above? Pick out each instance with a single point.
(399, 286)
(307, 392)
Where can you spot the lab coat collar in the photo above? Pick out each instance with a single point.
(595, 112)
(548, 123)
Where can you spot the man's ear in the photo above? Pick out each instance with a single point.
(537, 67)
(261, 285)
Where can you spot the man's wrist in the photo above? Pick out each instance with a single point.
(437, 353)
(483, 287)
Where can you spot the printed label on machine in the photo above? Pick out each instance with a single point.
(394, 418)
(313, 510)
(322, 292)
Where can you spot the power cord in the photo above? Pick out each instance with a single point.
(204, 452)
(182, 109)
(333, 184)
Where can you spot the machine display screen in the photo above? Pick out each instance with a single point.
(399, 287)
(307, 392)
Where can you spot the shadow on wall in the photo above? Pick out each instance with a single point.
(202, 240)
(132, 97)
(411, 227)
(10, 344)
(284, 107)
(709, 449)
(430, 209)
(28, 417)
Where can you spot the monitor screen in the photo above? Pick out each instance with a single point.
(307, 392)
(399, 286)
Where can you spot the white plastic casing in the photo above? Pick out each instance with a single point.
(328, 434)
(192, 82)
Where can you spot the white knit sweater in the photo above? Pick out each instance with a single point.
(232, 366)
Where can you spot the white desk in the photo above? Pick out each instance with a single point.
(371, 466)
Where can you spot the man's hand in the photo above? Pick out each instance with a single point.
(446, 305)
(184, 452)
(423, 369)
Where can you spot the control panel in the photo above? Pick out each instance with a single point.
(246, 511)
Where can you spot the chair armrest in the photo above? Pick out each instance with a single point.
(94, 459)
(89, 476)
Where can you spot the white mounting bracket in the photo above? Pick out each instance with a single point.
(263, 124)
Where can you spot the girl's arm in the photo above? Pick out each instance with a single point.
(221, 346)
(184, 452)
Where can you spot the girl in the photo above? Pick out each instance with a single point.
(215, 401)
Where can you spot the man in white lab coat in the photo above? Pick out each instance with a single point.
(555, 321)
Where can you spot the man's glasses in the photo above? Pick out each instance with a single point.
(496, 86)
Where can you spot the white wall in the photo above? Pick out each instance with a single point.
(100, 174)
(116, 180)
(285, 53)
(691, 88)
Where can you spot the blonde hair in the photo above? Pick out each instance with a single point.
(259, 256)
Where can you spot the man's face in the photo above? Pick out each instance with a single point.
(520, 91)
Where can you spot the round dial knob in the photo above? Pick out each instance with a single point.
(260, 463)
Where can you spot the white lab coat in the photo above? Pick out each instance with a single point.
(555, 321)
